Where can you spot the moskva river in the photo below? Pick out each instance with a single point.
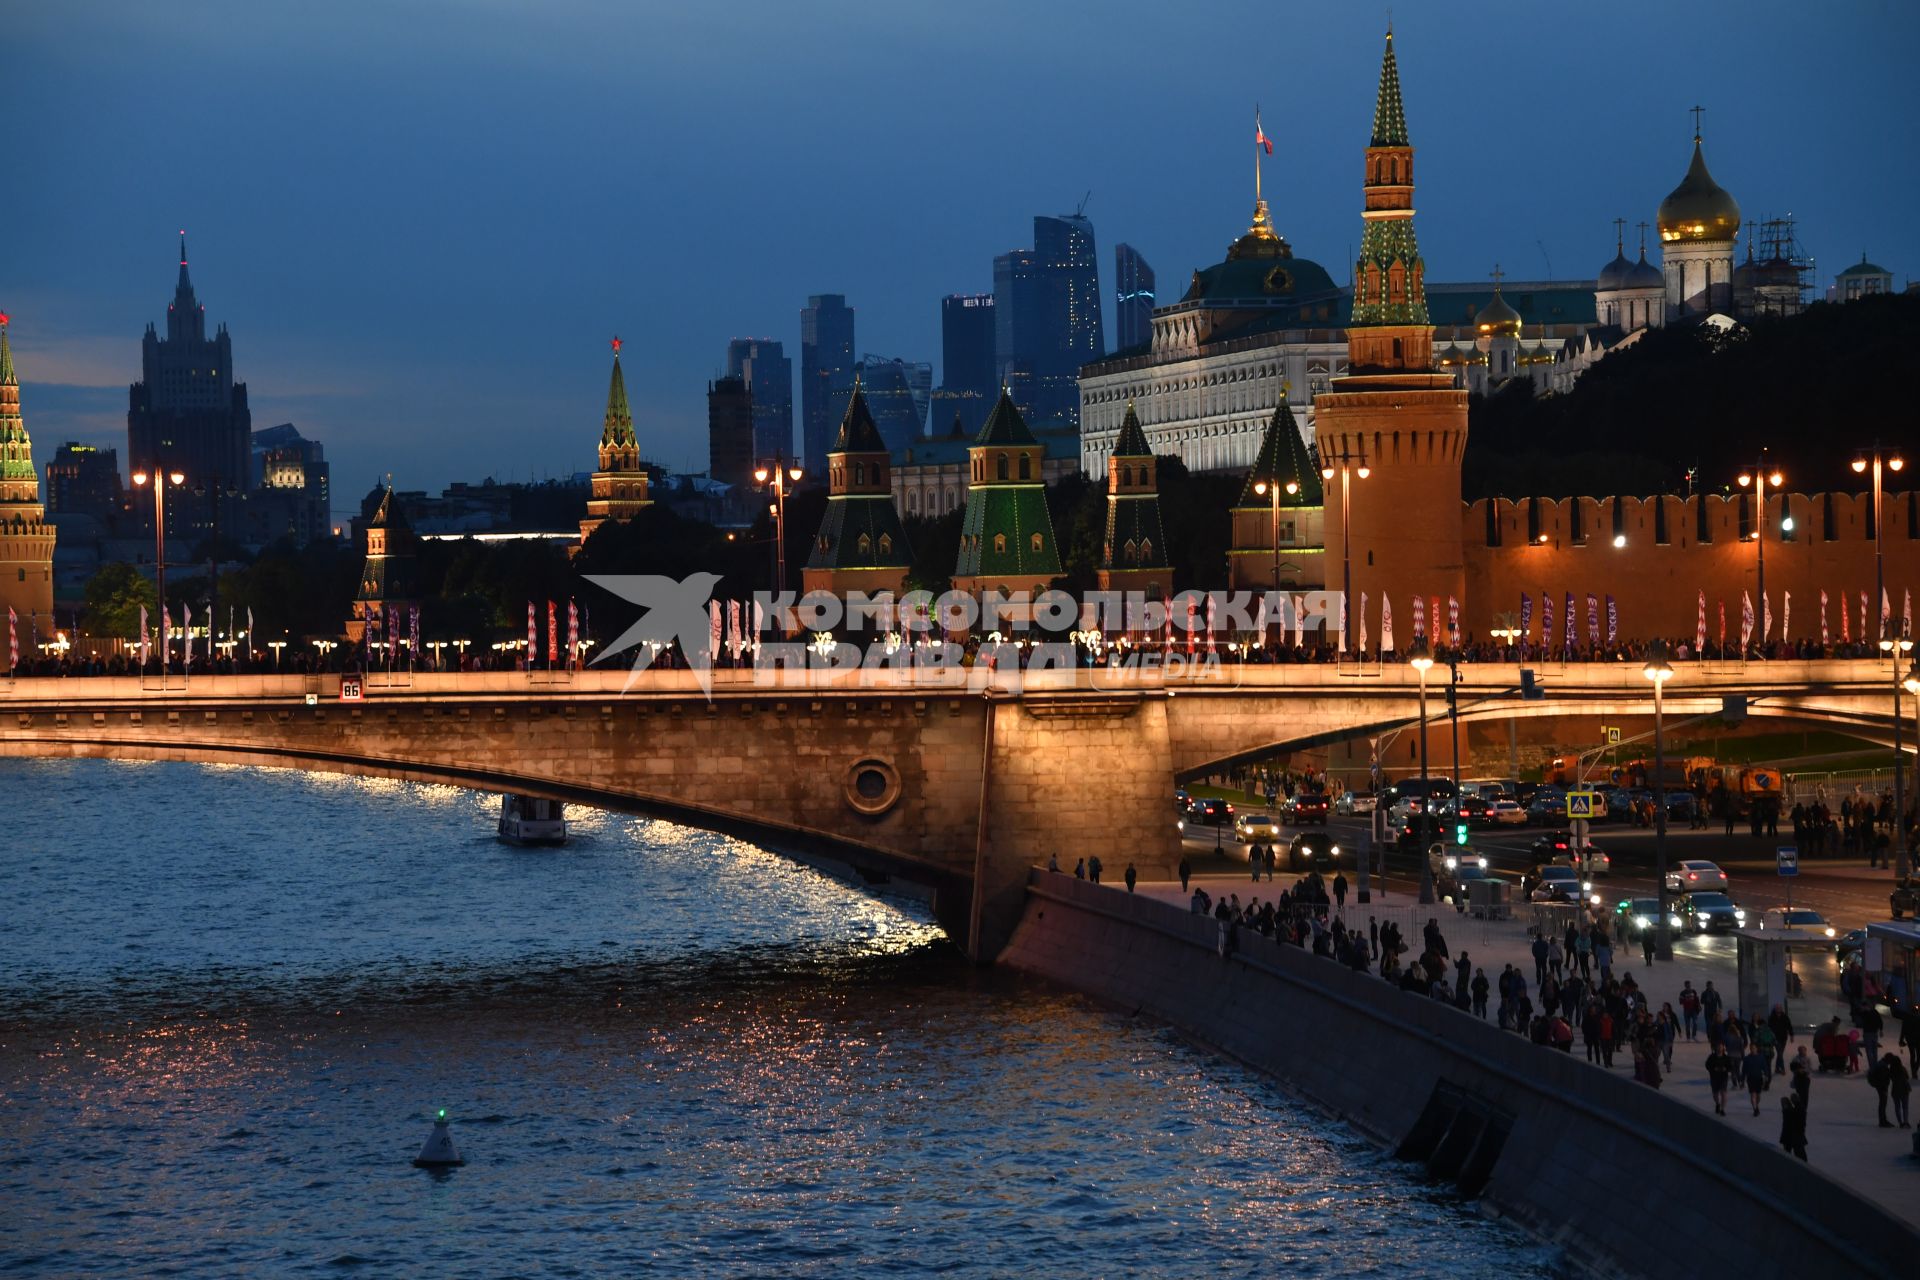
(232, 999)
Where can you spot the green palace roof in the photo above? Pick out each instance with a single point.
(1283, 459)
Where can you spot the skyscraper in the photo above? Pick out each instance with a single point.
(769, 376)
(188, 414)
(968, 383)
(898, 394)
(826, 353)
(729, 431)
(1047, 317)
(1132, 299)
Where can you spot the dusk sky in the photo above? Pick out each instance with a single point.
(423, 221)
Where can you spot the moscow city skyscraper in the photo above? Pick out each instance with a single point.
(1132, 299)
(1047, 317)
(768, 373)
(968, 382)
(826, 353)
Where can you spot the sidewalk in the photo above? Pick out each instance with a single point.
(1844, 1140)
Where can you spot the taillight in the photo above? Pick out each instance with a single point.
(1693, 875)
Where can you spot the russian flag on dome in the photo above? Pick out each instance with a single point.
(1259, 134)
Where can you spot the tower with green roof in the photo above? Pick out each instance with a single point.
(1279, 522)
(390, 577)
(619, 485)
(1133, 556)
(861, 545)
(1007, 543)
(26, 539)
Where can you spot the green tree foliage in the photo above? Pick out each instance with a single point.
(114, 597)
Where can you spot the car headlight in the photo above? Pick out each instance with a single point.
(1830, 932)
(1739, 914)
(1453, 864)
(1483, 864)
(1586, 886)
(1702, 915)
(1675, 921)
(1335, 850)
(1179, 824)
(1642, 922)
(1595, 899)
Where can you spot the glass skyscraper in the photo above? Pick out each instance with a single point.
(969, 383)
(769, 377)
(1132, 299)
(898, 392)
(1047, 318)
(826, 353)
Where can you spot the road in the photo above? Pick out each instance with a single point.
(1844, 890)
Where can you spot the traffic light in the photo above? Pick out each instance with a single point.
(1459, 833)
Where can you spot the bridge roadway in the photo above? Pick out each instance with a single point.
(956, 781)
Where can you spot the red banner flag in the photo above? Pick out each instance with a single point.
(553, 632)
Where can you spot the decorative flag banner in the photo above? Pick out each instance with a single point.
(143, 635)
(1546, 621)
(1823, 617)
(1343, 622)
(1700, 626)
(413, 631)
(1906, 612)
(1363, 624)
(249, 628)
(1192, 613)
(759, 621)
(733, 629)
(1419, 621)
(1273, 613)
(1300, 621)
(13, 639)
(186, 632)
(553, 632)
(1613, 622)
(1766, 617)
(1746, 620)
(1886, 614)
(573, 631)
(1386, 622)
(1453, 621)
(1844, 637)
(1210, 615)
(533, 636)
(1863, 617)
(1434, 612)
(1166, 629)
(393, 628)
(1723, 624)
(1569, 617)
(1526, 618)
(1593, 620)
(1786, 613)
(713, 630)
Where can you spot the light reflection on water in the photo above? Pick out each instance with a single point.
(231, 999)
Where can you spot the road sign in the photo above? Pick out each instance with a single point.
(1613, 735)
(1789, 858)
(1581, 804)
(313, 699)
(350, 690)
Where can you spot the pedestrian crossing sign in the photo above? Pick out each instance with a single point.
(1580, 804)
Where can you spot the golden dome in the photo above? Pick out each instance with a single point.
(1699, 208)
(1497, 317)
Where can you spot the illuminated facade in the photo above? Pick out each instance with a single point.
(619, 486)
(26, 538)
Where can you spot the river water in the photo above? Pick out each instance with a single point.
(231, 999)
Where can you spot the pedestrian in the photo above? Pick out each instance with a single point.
(1256, 861)
(1801, 1080)
(1793, 1126)
(1719, 1071)
(1340, 890)
(1480, 994)
(1668, 1026)
(1603, 954)
(1540, 952)
(1781, 1025)
(1186, 872)
(1583, 955)
(1753, 1073)
(1871, 1025)
(1053, 863)
(1373, 936)
(1910, 1037)
(1591, 1030)
(1080, 869)
(1764, 1040)
(1607, 1032)
(1690, 1010)
(1556, 958)
(1710, 1001)
(1132, 877)
(1093, 868)
(1646, 947)
(1899, 1087)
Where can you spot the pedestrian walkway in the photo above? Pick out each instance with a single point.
(1844, 1139)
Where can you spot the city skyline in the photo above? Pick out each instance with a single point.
(379, 287)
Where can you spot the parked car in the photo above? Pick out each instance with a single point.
(1210, 811)
(1305, 806)
(1694, 875)
(1558, 847)
(1711, 912)
(1261, 827)
(1354, 802)
(1803, 918)
(1509, 813)
(1681, 806)
(1634, 916)
(1548, 806)
(1313, 851)
(1558, 884)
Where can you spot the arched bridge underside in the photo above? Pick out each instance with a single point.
(956, 783)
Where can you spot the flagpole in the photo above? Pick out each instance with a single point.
(1257, 133)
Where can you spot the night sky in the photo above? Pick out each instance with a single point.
(423, 221)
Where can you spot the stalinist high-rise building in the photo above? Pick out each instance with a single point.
(1396, 532)
(26, 539)
(619, 485)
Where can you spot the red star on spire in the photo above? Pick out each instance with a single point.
(616, 344)
(3, 317)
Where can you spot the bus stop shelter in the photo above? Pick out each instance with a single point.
(1767, 975)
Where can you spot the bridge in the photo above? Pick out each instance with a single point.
(956, 782)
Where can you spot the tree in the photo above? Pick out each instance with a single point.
(114, 597)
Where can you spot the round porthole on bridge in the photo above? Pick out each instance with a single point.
(872, 787)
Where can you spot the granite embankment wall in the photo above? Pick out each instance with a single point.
(1625, 1179)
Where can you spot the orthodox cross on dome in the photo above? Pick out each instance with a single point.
(1697, 113)
(1497, 275)
(1620, 236)
(616, 346)
(1643, 238)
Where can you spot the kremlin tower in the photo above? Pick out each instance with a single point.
(620, 484)
(1133, 556)
(1393, 419)
(861, 545)
(26, 539)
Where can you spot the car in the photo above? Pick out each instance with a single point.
(1314, 851)
(1454, 886)
(1305, 806)
(1210, 811)
(1694, 875)
(1182, 802)
(1805, 919)
(1710, 912)
(1353, 802)
(1904, 901)
(1409, 797)
(1262, 828)
(1548, 806)
(1558, 847)
(1551, 883)
(1681, 806)
(1850, 942)
(1634, 916)
(1509, 813)
(1476, 810)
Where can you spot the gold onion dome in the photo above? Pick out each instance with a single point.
(1498, 317)
(1699, 208)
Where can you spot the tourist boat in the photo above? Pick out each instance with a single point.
(531, 820)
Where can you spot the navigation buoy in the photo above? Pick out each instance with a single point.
(439, 1152)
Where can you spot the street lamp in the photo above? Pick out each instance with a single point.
(1420, 658)
(276, 646)
(1896, 649)
(1760, 477)
(1660, 671)
(1348, 465)
(1890, 462)
(779, 475)
(1273, 491)
(160, 482)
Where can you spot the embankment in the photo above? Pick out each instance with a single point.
(1625, 1179)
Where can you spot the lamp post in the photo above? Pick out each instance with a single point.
(1890, 462)
(1896, 648)
(1660, 671)
(276, 646)
(779, 475)
(1420, 658)
(1273, 491)
(160, 480)
(1348, 465)
(1760, 477)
